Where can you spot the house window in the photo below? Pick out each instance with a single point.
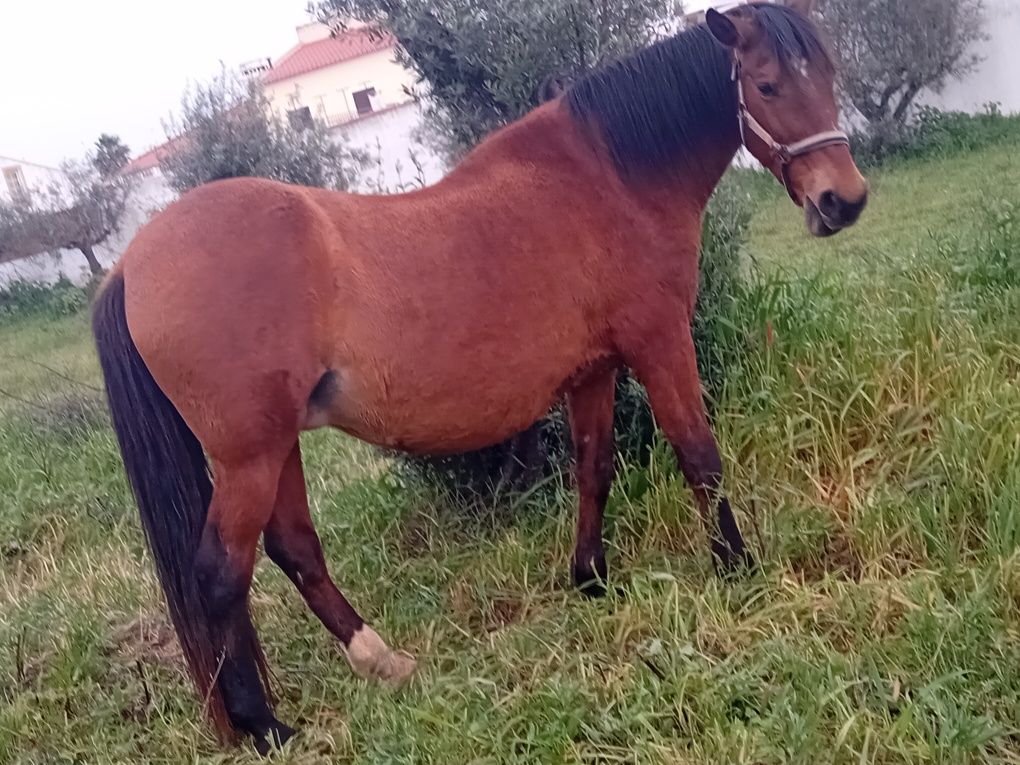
(301, 118)
(16, 184)
(363, 100)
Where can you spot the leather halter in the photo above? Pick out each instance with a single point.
(785, 153)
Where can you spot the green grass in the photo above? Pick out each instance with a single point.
(908, 202)
(870, 431)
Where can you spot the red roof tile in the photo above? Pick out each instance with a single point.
(307, 57)
(151, 158)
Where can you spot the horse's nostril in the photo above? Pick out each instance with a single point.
(830, 206)
(854, 209)
(839, 210)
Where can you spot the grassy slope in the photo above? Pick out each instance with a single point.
(871, 425)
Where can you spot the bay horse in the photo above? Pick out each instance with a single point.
(562, 248)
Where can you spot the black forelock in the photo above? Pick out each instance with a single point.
(793, 36)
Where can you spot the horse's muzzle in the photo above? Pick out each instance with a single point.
(831, 214)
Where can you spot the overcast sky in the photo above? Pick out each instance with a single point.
(72, 70)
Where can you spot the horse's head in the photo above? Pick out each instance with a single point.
(788, 113)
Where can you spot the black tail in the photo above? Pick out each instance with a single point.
(170, 478)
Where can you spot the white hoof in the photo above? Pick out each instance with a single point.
(371, 658)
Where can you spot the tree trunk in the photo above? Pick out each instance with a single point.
(905, 101)
(95, 268)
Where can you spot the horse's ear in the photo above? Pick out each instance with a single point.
(806, 7)
(722, 28)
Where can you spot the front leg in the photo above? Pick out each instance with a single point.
(665, 362)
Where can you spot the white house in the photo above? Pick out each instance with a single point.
(351, 82)
(25, 182)
(22, 181)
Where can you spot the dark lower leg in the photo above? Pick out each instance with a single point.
(298, 553)
(223, 566)
(591, 425)
(699, 460)
(292, 543)
(670, 374)
(241, 675)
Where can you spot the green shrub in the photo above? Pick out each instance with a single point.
(935, 133)
(723, 236)
(543, 450)
(24, 298)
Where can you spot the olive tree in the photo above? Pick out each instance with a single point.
(891, 51)
(227, 129)
(80, 211)
(481, 62)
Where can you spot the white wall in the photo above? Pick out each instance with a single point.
(389, 139)
(386, 134)
(997, 79)
(39, 179)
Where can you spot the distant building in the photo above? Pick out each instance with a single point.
(31, 182)
(336, 79)
(25, 183)
(22, 181)
(350, 81)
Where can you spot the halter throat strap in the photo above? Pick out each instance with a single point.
(784, 153)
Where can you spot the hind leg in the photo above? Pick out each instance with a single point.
(294, 546)
(241, 503)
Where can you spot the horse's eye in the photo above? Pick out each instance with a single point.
(768, 90)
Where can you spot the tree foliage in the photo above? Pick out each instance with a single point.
(890, 51)
(226, 129)
(80, 211)
(482, 62)
(110, 155)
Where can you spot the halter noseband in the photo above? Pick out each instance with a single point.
(785, 153)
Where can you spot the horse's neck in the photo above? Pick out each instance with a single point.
(685, 195)
(549, 136)
(696, 182)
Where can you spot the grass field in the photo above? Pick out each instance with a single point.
(871, 430)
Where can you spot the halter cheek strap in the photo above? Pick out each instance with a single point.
(785, 153)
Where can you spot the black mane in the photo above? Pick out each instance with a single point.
(658, 109)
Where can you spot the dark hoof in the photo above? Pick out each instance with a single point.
(730, 564)
(591, 581)
(591, 588)
(277, 735)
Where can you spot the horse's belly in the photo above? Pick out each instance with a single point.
(429, 412)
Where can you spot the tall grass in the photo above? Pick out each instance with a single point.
(868, 419)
